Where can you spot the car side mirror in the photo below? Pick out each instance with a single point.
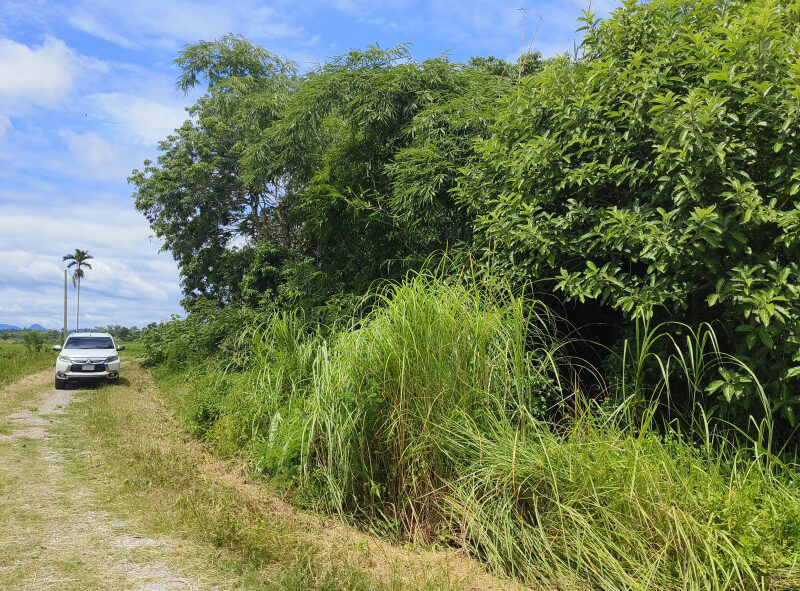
(56, 347)
(121, 348)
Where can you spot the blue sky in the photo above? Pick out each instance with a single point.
(87, 89)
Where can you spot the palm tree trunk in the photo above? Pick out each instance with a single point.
(78, 313)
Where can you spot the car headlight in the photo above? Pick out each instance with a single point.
(65, 359)
(112, 358)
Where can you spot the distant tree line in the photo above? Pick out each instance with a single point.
(123, 333)
(14, 334)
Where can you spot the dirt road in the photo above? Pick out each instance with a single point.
(100, 489)
(58, 529)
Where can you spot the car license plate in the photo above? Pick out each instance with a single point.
(87, 367)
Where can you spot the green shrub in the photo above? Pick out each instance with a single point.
(658, 175)
(33, 340)
(207, 331)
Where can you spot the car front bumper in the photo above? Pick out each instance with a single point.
(87, 375)
(80, 371)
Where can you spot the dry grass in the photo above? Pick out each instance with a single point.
(27, 387)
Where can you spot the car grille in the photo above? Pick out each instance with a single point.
(99, 364)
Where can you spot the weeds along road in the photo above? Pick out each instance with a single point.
(100, 489)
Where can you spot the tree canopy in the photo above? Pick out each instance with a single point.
(346, 171)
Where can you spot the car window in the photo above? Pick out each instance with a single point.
(89, 343)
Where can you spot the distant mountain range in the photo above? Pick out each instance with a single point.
(31, 327)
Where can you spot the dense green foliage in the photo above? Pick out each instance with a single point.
(653, 177)
(296, 188)
(659, 175)
(651, 182)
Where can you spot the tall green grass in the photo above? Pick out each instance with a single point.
(385, 395)
(16, 361)
(608, 507)
(456, 414)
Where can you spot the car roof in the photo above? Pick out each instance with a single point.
(89, 334)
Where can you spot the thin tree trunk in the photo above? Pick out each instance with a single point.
(256, 220)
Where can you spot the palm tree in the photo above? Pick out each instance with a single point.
(78, 260)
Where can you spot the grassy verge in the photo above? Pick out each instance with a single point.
(16, 361)
(425, 420)
(262, 542)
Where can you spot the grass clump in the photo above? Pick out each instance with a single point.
(386, 394)
(623, 508)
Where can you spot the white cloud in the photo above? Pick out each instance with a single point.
(268, 23)
(169, 23)
(368, 7)
(40, 75)
(81, 156)
(117, 278)
(147, 22)
(82, 222)
(21, 307)
(139, 119)
(25, 267)
(8, 308)
(90, 149)
(88, 23)
(313, 41)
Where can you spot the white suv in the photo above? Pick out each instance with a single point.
(87, 356)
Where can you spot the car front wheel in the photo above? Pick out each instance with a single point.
(60, 384)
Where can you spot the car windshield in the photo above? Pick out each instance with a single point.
(89, 343)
